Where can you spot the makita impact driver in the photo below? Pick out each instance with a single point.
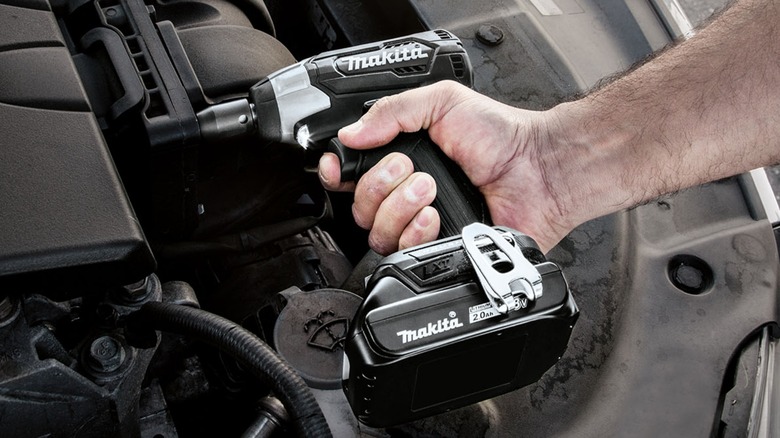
(308, 102)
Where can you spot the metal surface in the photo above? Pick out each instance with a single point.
(56, 380)
(764, 421)
(227, 120)
(674, 18)
(698, 11)
(106, 354)
(504, 273)
(762, 196)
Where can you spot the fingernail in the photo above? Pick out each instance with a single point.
(323, 178)
(394, 168)
(354, 127)
(418, 188)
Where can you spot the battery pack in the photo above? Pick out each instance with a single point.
(433, 333)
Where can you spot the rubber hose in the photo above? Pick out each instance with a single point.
(258, 358)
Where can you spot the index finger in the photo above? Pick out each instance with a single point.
(409, 111)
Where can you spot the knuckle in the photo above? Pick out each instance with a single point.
(448, 87)
(423, 228)
(381, 180)
(410, 238)
(380, 243)
(382, 105)
(447, 84)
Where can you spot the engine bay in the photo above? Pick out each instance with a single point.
(113, 198)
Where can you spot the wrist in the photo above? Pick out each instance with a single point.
(591, 168)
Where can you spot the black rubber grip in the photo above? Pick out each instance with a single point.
(458, 202)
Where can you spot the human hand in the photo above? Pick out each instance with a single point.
(496, 145)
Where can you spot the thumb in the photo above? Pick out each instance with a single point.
(409, 111)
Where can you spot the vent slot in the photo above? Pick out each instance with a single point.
(443, 34)
(410, 70)
(398, 44)
(458, 65)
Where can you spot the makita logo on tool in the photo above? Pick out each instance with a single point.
(407, 52)
(433, 328)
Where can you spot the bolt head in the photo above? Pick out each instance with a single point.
(689, 277)
(136, 292)
(690, 274)
(106, 354)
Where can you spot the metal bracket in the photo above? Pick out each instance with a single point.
(502, 269)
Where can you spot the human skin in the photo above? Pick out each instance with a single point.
(705, 109)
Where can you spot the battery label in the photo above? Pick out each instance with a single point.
(485, 311)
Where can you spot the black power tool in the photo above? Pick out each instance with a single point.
(308, 102)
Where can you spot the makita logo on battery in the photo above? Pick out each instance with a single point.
(431, 329)
(406, 52)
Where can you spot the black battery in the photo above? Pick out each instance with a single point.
(429, 339)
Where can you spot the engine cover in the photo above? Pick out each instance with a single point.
(65, 217)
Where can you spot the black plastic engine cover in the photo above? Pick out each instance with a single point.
(65, 216)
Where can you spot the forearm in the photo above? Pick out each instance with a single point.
(701, 111)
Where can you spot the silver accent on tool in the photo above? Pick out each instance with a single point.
(503, 271)
(296, 98)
